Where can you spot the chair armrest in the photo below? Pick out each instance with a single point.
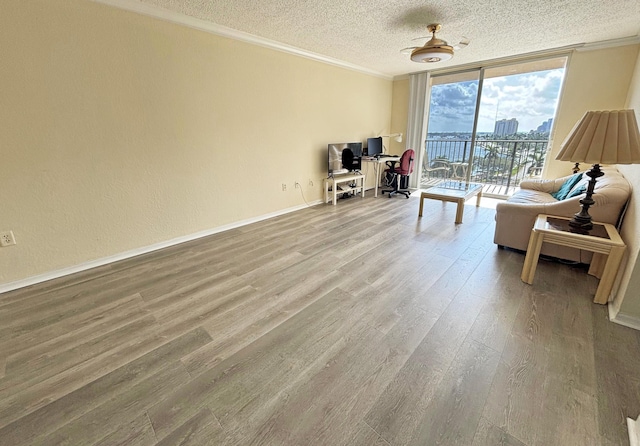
(437, 164)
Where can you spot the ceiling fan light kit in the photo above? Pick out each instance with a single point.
(432, 54)
(435, 50)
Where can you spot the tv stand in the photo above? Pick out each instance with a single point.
(339, 185)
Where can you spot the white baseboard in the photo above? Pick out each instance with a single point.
(634, 431)
(143, 250)
(623, 319)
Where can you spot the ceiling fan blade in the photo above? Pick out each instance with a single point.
(408, 50)
(462, 44)
(436, 44)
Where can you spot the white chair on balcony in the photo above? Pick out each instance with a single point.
(441, 166)
(459, 171)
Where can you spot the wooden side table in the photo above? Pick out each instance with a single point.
(603, 240)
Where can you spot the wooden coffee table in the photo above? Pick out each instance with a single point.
(455, 192)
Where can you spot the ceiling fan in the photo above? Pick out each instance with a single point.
(435, 50)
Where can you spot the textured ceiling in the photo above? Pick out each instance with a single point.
(370, 33)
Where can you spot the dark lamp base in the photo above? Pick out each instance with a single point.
(581, 224)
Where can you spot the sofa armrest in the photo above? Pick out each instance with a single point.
(562, 208)
(548, 186)
(532, 210)
(514, 220)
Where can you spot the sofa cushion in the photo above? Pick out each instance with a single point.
(528, 196)
(566, 187)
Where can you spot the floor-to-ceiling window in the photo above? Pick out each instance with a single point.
(451, 119)
(491, 125)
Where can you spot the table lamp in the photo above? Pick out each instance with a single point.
(600, 137)
(396, 136)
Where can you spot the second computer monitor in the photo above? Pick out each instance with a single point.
(374, 146)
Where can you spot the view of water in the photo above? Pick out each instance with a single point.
(453, 150)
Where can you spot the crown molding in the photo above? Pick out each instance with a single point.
(633, 40)
(223, 31)
(490, 63)
(552, 52)
(401, 77)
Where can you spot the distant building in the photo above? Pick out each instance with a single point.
(545, 127)
(506, 127)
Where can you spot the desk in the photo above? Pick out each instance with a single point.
(603, 240)
(453, 191)
(342, 179)
(376, 167)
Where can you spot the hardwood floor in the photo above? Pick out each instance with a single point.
(358, 324)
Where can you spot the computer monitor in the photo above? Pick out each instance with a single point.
(374, 146)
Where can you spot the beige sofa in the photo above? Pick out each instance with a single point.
(516, 216)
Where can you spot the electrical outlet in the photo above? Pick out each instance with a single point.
(7, 238)
(284, 187)
(297, 185)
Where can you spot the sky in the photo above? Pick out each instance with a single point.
(531, 98)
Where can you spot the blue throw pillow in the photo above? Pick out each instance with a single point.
(567, 186)
(578, 191)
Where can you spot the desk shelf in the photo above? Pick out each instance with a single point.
(346, 189)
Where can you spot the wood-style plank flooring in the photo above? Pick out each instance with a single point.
(358, 324)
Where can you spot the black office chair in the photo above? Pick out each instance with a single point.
(347, 158)
(398, 174)
(350, 161)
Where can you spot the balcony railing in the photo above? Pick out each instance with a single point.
(496, 162)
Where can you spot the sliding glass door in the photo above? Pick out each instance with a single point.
(491, 125)
(451, 123)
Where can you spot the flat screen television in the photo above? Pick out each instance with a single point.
(374, 146)
(335, 163)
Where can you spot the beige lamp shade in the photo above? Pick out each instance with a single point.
(603, 137)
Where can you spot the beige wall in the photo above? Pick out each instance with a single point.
(594, 80)
(628, 297)
(121, 131)
(400, 112)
